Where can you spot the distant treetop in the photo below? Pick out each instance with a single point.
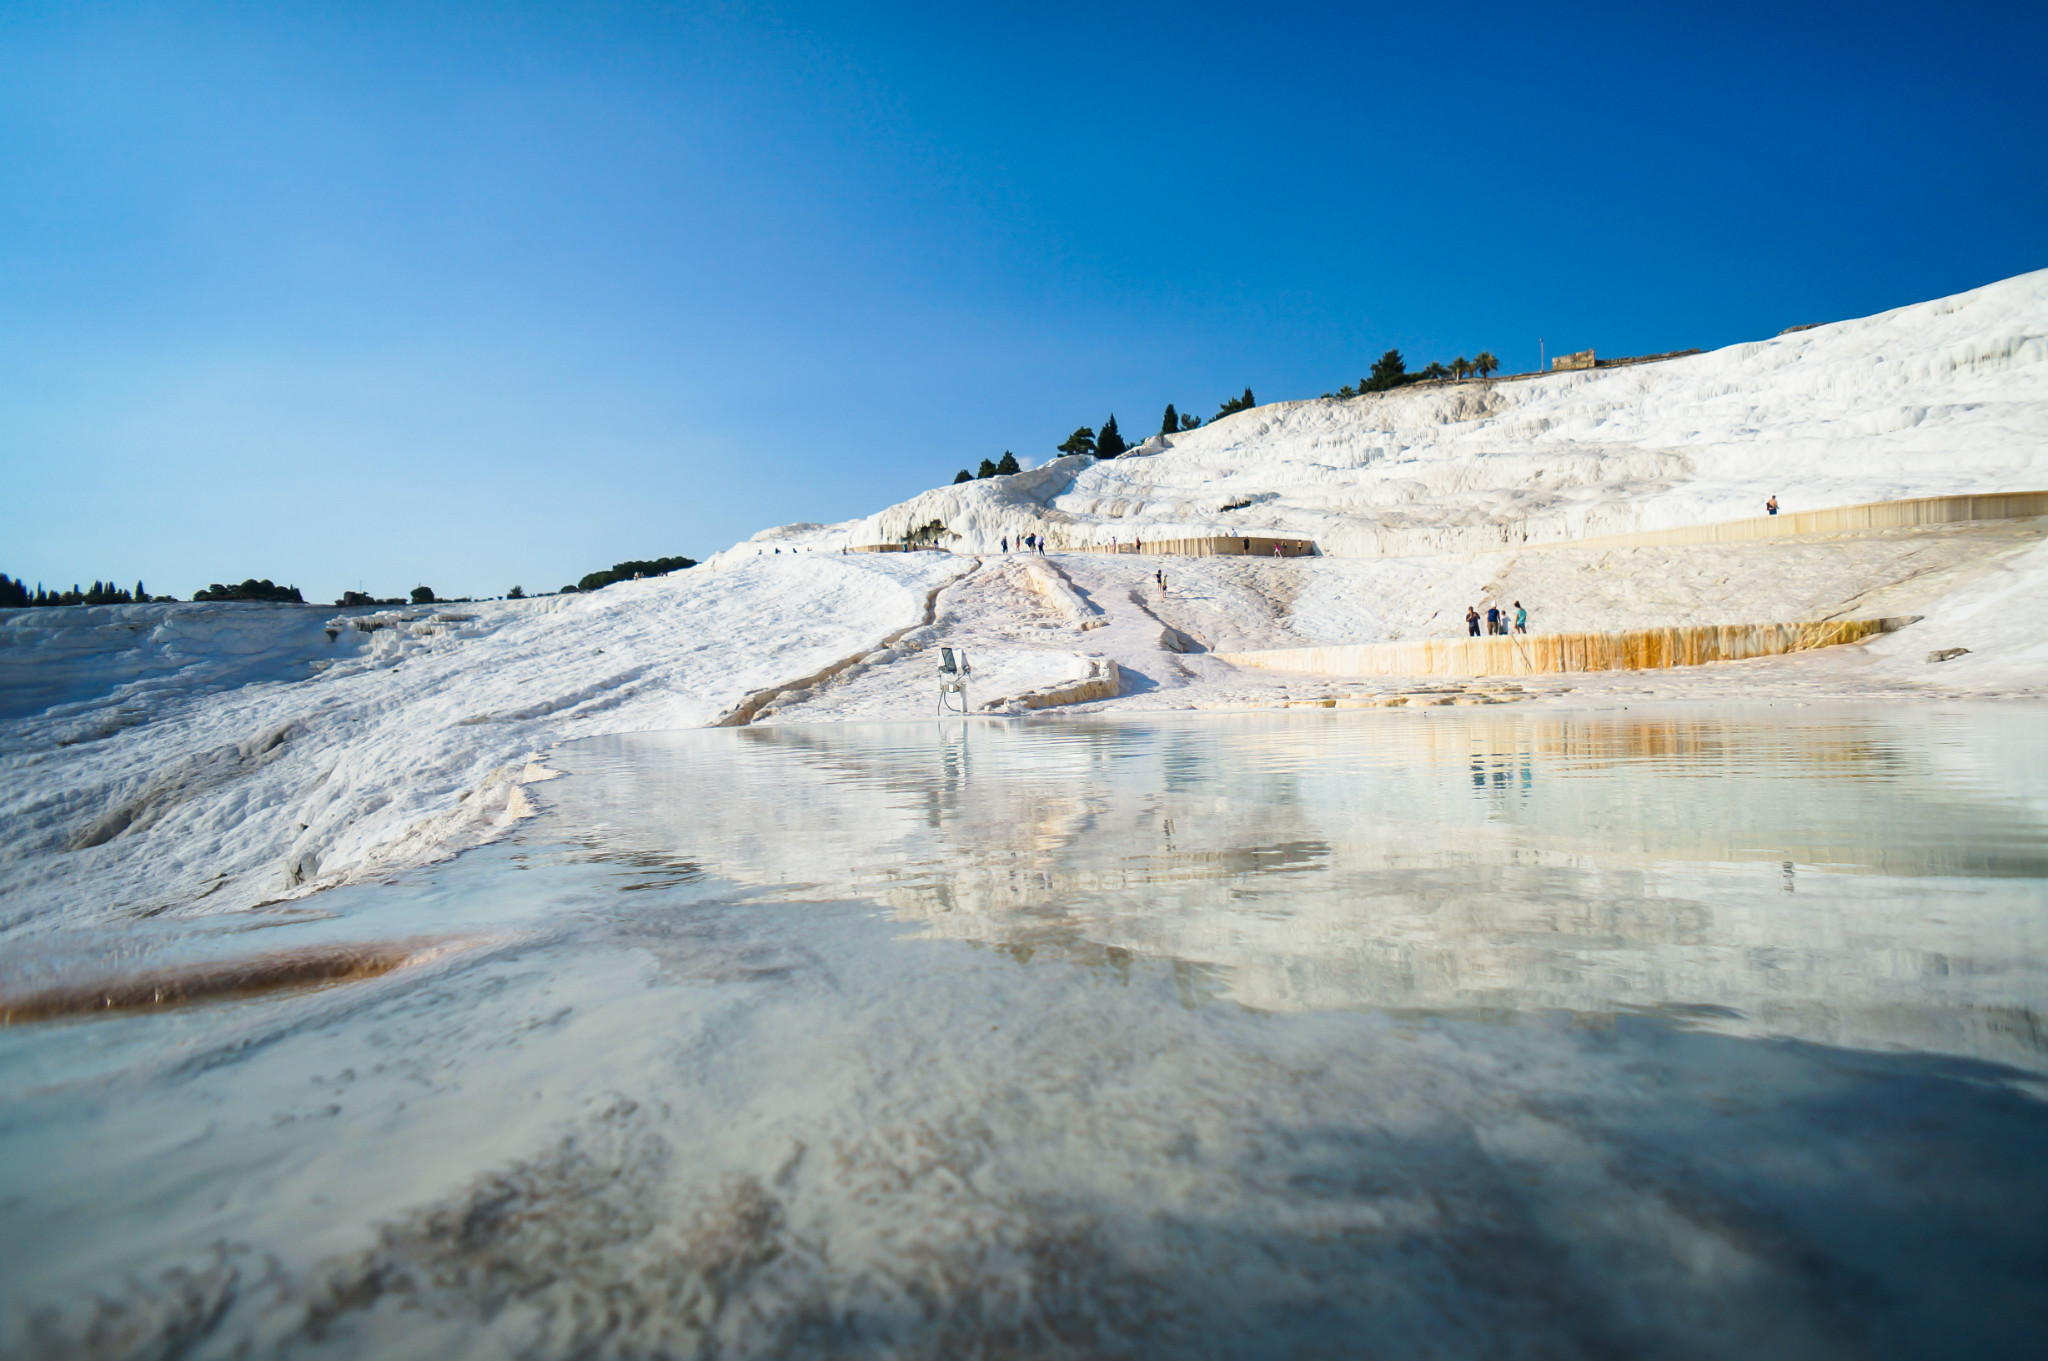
(1237, 404)
(252, 589)
(626, 571)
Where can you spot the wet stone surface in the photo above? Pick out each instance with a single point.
(1481, 1032)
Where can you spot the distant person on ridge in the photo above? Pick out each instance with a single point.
(1492, 620)
(1771, 506)
(1472, 620)
(1161, 575)
(1521, 618)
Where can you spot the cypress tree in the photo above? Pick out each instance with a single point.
(141, 596)
(1109, 443)
(1170, 424)
(1008, 465)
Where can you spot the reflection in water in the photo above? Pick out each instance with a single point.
(1417, 1034)
(1494, 862)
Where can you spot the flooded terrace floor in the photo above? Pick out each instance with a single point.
(1440, 1033)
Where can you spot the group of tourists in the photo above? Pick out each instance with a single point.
(1030, 543)
(1498, 621)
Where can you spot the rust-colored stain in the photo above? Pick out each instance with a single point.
(219, 980)
(1560, 653)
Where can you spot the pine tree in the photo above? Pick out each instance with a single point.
(987, 469)
(516, 593)
(1237, 404)
(1082, 441)
(1109, 443)
(964, 476)
(1390, 370)
(1008, 465)
(1190, 422)
(1170, 423)
(141, 596)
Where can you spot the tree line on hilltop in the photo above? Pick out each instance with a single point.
(1387, 373)
(1390, 371)
(1109, 441)
(624, 571)
(16, 595)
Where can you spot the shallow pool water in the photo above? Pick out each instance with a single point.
(1447, 1033)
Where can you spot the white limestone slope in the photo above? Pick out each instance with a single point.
(203, 757)
(212, 757)
(1941, 397)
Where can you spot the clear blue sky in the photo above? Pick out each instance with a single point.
(347, 294)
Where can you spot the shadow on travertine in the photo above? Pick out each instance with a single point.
(1805, 880)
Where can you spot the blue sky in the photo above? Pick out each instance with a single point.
(480, 295)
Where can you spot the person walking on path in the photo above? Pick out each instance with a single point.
(1521, 618)
(1492, 620)
(1161, 576)
(1472, 620)
(1005, 541)
(1771, 506)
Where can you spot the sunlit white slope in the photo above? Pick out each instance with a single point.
(214, 756)
(1941, 397)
